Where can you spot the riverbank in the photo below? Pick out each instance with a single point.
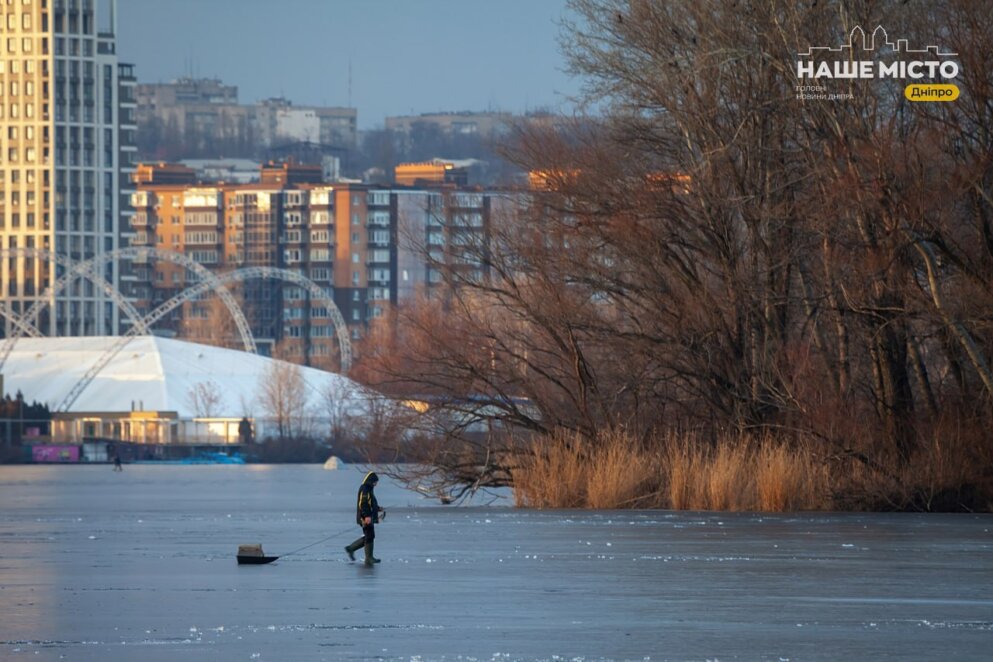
(741, 473)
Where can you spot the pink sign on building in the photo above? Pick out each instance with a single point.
(55, 453)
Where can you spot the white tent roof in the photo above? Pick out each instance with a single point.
(156, 374)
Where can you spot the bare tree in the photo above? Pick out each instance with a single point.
(205, 399)
(338, 409)
(282, 395)
(209, 322)
(714, 254)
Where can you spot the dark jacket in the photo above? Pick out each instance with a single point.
(367, 505)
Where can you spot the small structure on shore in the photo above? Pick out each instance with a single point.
(333, 463)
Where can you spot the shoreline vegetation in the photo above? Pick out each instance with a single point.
(733, 297)
(953, 472)
(742, 473)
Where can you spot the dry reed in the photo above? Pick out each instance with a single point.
(682, 473)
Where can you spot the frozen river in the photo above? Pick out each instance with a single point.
(140, 565)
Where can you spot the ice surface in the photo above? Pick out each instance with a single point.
(97, 565)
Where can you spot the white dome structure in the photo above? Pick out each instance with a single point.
(150, 373)
(154, 374)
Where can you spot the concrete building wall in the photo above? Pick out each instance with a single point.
(60, 158)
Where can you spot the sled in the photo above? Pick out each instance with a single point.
(253, 555)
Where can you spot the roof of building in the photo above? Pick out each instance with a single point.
(158, 374)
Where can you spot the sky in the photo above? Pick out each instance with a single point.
(406, 56)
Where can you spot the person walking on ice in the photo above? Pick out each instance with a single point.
(367, 515)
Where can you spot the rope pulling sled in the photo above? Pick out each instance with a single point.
(252, 554)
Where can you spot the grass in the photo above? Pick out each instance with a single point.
(680, 473)
(950, 470)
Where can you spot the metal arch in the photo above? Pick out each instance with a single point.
(206, 276)
(81, 269)
(21, 326)
(341, 330)
(246, 273)
(86, 269)
(208, 281)
(27, 323)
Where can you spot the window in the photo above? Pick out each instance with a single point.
(379, 218)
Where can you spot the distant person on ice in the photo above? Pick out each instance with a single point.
(366, 515)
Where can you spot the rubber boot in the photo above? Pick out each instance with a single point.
(369, 558)
(354, 547)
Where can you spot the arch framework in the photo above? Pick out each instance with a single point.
(28, 322)
(191, 293)
(209, 281)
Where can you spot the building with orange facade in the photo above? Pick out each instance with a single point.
(368, 247)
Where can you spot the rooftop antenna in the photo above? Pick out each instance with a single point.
(349, 82)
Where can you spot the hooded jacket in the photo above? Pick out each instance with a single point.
(367, 505)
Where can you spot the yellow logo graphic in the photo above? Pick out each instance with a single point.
(931, 92)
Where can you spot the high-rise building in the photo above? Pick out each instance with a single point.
(366, 247)
(66, 142)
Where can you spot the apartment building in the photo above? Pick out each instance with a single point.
(202, 117)
(482, 124)
(369, 247)
(66, 143)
